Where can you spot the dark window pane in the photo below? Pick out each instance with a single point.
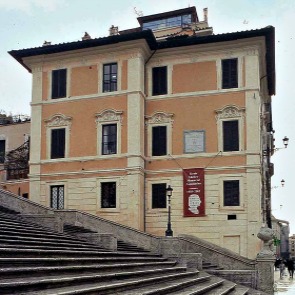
(59, 83)
(159, 80)
(58, 143)
(109, 139)
(231, 193)
(159, 144)
(2, 151)
(57, 197)
(230, 136)
(230, 73)
(108, 195)
(110, 72)
(159, 195)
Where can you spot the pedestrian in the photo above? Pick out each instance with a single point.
(282, 268)
(290, 265)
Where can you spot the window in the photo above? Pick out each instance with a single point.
(231, 193)
(110, 77)
(58, 143)
(59, 84)
(230, 73)
(109, 139)
(159, 80)
(108, 194)
(158, 195)
(159, 141)
(174, 21)
(57, 197)
(230, 135)
(2, 151)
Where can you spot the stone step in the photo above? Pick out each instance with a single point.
(116, 286)
(28, 240)
(169, 287)
(227, 287)
(48, 246)
(19, 252)
(37, 262)
(241, 290)
(37, 271)
(34, 232)
(101, 279)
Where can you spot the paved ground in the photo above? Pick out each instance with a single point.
(285, 285)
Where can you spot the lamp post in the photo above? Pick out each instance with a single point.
(169, 232)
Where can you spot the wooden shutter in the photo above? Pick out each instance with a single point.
(230, 136)
(230, 73)
(159, 80)
(159, 144)
(58, 143)
(231, 193)
(59, 83)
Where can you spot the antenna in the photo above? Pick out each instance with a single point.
(137, 12)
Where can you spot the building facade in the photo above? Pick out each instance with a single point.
(115, 120)
(14, 135)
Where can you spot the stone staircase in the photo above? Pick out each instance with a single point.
(37, 260)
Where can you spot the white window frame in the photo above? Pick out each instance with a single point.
(230, 177)
(159, 119)
(149, 195)
(58, 121)
(169, 79)
(49, 185)
(230, 113)
(118, 181)
(219, 72)
(106, 117)
(50, 83)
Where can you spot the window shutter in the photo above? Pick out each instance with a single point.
(159, 80)
(230, 73)
(159, 144)
(59, 83)
(230, 136)
(58, 143)
(231, 193)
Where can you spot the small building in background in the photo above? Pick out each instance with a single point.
(14, 154)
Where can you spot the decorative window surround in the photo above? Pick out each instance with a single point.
(55, 122)
(228, 113)
(107, 117)
(160, 119)
(230, 177)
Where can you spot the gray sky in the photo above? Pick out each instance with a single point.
(28, 23)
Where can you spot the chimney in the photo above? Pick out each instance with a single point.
(46, 43)
(86, 36)
(114, 30)
(205, 12)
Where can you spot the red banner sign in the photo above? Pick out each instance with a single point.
(193, 192)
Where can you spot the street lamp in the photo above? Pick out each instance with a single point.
(169, 232)
(286, 141)
(282, 182)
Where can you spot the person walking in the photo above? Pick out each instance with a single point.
(282, 267)
(290, 265)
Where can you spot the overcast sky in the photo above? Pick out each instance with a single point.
(28, 23)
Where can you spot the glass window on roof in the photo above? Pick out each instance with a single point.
(170, 22)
